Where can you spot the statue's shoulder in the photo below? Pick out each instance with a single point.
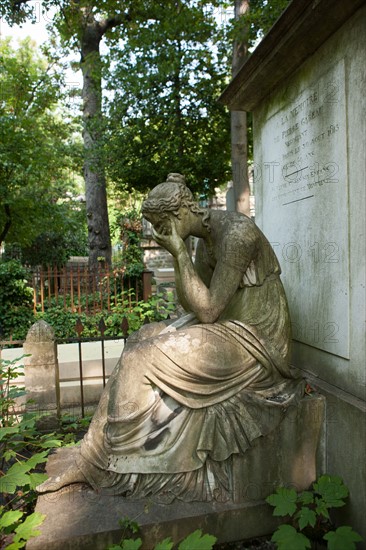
(235, 226)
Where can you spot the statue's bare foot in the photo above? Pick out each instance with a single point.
(71, 475)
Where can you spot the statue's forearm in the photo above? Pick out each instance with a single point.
(192, 291)
(178, 286)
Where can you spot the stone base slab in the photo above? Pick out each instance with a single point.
(79, 519)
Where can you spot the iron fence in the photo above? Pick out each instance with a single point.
(82, 290)
(80, 340)
(78, 377)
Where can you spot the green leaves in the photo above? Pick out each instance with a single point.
(259, 19)
(306, 516)
(165, 544)
(8, 431)
(343, 538)
(26, 530)
(18, 474)
(328, 493)
(287, 538)
(164, 113)
(130, 544)
(23, 530)
(310, 510)
(284, 501)
(332, 490)
(197, 541)
(38, 149)
(10, 518)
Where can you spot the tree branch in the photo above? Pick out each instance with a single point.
(113, 21)
(17, 3)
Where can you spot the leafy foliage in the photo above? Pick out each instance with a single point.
(195, 540)
(63, 321)
(23, 530)
(198, 541)
(19, 475)
(55, 247)
(16, 303)
(38, 151)
(309, 513)
(286, 536)
(342, 538)
(163, 113)
(258, 20)
(284, 501)
(129, 226)
(16, 312)
(23, 451)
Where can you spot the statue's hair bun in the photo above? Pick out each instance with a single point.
(176, 178)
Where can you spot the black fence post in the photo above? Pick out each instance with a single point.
(79, 329)
(102, 327)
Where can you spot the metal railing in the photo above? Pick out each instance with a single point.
(84, 291)
(79, 340)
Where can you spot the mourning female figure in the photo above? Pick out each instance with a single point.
(185, 398)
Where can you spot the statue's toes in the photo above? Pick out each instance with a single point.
(51, 484)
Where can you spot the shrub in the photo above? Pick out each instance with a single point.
(16, 313)
(23, 451)
(129, 226)
(137, 313)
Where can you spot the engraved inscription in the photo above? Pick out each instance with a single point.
(302, 171)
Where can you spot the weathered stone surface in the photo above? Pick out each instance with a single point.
(40, 353)
(289, 456)
(305, 85)
(181, 400)
(40, 332)
(41, 368)
(79, 518)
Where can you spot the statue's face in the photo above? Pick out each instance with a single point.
(161, 225)
(164, 225)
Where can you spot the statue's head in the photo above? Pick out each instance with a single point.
(170, 198)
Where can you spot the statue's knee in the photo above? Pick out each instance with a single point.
(145, 333)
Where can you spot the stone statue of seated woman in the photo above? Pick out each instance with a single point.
(185, 398)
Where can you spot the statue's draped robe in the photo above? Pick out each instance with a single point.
(179, 405)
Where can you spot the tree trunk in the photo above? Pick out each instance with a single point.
(7, 225)
(100, 250)
(239, 156)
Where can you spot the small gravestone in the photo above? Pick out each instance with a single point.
(41, 372)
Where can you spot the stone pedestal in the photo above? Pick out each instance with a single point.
(79, 518)
(290, 456)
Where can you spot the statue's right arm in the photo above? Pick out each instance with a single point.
(178, 286)
(206, 302)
